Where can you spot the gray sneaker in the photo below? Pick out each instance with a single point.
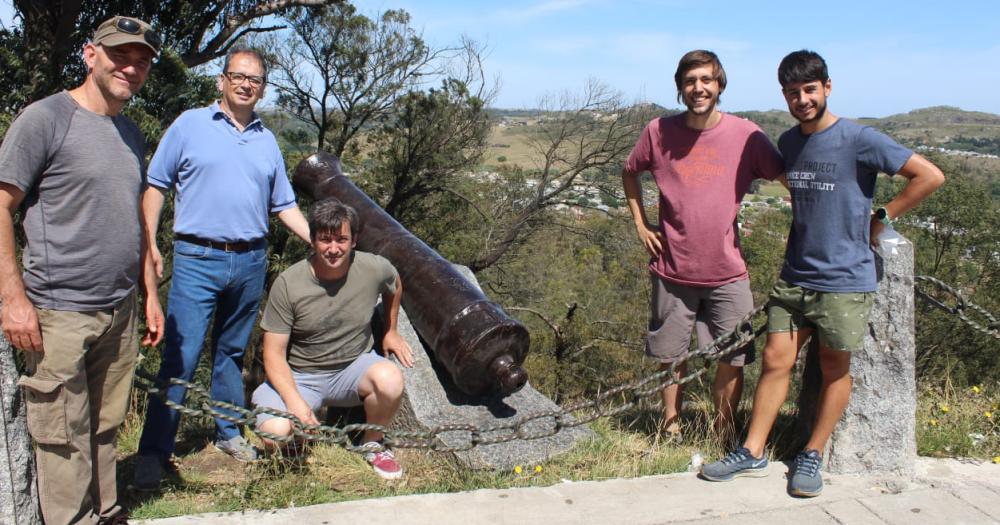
(807, 481)
(237, 447)
(148, 473)
(736, 463)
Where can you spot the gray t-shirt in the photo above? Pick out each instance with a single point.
(329, 323)
(831, 176)
(82, 175)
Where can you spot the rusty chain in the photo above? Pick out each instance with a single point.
(532, 426)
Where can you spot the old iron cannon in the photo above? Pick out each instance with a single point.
(480, 346)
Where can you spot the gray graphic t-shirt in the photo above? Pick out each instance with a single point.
(82, 175)
(831, 176)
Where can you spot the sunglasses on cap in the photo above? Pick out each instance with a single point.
(132, 27)
(120, 30)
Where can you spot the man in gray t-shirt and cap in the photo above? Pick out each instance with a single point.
(74, 167)
(318, 337)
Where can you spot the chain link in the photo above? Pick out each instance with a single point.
(463, 436)
(537, 425)
(988, 322)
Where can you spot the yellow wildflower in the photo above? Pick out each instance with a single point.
(538, 469)
(988, 414)
(996, 459)
(976, 389)
(517, 469)
(944, 408)
(933, 422)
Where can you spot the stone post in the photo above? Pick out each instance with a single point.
(878, 431)
(18, 492)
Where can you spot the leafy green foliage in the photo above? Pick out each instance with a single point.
(432, 138)
(338, 70)
(956, 233)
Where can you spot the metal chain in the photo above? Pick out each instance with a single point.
(536, 425)
(988, 324)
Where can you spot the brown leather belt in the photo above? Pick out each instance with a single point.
(235, 246)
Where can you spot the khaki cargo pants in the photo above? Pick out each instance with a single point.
(77, 396)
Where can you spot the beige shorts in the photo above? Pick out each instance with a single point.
(712, 311)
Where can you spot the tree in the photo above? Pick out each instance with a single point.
(431, 138)
(956, 234)
(52, 33)
(578, 135)
(339, 71)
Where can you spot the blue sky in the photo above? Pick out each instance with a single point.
(885, 57)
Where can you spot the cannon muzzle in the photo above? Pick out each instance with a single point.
(480, 346)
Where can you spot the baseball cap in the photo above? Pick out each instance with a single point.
(121, 30)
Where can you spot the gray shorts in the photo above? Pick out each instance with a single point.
(712, 311)
(319, 389)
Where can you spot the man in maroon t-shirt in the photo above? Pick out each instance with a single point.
(703, 162)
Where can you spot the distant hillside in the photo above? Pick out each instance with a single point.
(773, 122)
(943, 127)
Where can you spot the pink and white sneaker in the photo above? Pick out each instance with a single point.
(385, 464)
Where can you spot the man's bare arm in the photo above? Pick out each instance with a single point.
(280, 375)
(152, 205)
(296, 223)
(650, 237)
(150, 287)
(393, 342)
(18, 317)
(923, 179)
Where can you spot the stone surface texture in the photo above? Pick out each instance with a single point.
(430, 400)
(878, 430)
(18, 492)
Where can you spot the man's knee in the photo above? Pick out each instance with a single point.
(386, 379)
(778, 358)
(278, 426)
(834, 364)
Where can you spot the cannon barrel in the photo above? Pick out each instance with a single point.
(472, 337)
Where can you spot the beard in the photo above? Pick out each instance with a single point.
(820, 111)
(702, 110)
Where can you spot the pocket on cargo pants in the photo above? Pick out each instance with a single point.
(46, 401)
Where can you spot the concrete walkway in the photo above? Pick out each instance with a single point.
(942, 492)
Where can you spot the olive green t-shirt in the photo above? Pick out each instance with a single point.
(329, 323)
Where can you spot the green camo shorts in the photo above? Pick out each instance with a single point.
(840, 319)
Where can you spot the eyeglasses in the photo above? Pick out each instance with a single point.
(238, 78)
(132, 27)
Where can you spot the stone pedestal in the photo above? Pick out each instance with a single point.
(431, 400)
(878, 430)
(18, 492)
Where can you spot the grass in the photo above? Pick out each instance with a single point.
(951, 421)
(208, 481)
(512, 143)
(957, 421)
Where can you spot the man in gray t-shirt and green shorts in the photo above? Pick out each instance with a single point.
(318, 337)
(828, 279)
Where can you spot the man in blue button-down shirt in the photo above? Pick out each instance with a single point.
(228, 175)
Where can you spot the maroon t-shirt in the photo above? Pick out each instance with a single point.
(702, 176)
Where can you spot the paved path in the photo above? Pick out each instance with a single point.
(942, 492)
